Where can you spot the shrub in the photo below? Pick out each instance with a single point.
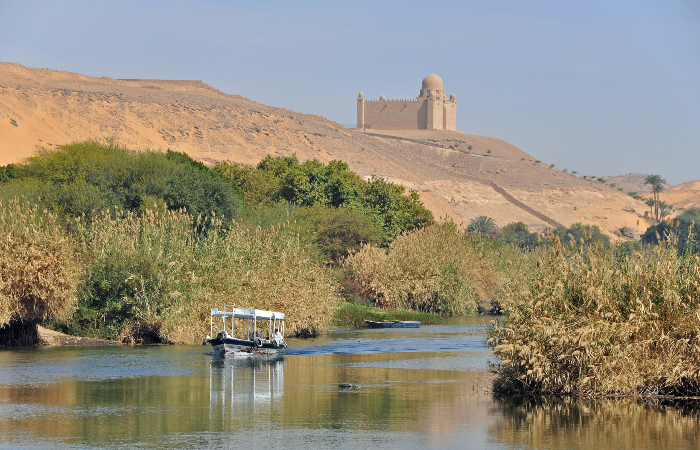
(138, 267)
(86, 177)
(338, 231)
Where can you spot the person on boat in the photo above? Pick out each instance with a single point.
(253, 335)
(277, 337)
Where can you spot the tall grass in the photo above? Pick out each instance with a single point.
(39, 270)
(434, 269)
(594, 322)
(153, 277)
(265, 268)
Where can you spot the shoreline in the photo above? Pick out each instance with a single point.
(51, 338)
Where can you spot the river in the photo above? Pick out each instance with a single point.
(411, 389)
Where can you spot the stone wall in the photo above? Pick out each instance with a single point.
(393, 114)
(414, 114)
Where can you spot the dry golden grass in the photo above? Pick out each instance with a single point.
(264, 268)
(593, 322)
(39, 270)
(434, 269)
(156, 279)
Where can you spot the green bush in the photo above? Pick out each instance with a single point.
(85, 177)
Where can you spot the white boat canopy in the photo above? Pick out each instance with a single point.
(251, 314)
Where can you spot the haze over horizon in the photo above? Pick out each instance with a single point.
(603, 88)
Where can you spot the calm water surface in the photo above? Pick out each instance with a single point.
(417, 388)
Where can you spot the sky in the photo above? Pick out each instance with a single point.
(600, 87)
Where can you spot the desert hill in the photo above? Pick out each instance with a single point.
(686, 195)
(42, 107)
(632, 182)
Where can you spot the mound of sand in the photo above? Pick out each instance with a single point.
(42, 107)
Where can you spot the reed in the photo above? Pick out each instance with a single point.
(434, 269)
(153, 277)
(264, 268)
(39, 270)
(602, 322)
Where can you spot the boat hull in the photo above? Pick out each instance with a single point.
(395, 324)
(242, 347)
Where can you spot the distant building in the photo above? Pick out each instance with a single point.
(431, 110)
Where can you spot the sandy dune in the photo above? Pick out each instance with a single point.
(42, 107)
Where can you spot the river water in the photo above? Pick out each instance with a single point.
(412, 388)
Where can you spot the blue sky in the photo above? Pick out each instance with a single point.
(601, 87)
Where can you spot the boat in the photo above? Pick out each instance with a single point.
(249, 332)
(393, 324)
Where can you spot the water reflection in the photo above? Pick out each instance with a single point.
(410, 396)
(248, 387)
(624, 423)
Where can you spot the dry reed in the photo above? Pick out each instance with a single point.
(39, 271)
(434, 269)
(593, 322)
(154, 279)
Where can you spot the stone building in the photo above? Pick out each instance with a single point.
(431, 110)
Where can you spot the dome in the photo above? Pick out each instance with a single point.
(432, 82)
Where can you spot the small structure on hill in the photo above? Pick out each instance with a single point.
(431, 110)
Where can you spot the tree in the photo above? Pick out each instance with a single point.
(657, 185)
(517, 234)
(651, 203)
(483, 225)
(664, 209)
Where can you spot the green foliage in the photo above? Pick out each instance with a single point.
(683, 231)
(338, 231)
(259, 186)
(8, 172)
(86, 177)
(578, 233)
(482, 225)
(395, 212)
(518, 234)
(333, 185)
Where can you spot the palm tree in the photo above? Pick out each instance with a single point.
(650, 202)
(657, 185)
(483, 225)
(664, 209)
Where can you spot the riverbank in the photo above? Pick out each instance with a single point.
(49, 337)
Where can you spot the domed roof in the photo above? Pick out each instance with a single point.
(432, 82)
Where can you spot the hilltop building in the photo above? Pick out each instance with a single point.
(431, 110)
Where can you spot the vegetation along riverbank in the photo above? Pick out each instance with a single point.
(135, 247)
